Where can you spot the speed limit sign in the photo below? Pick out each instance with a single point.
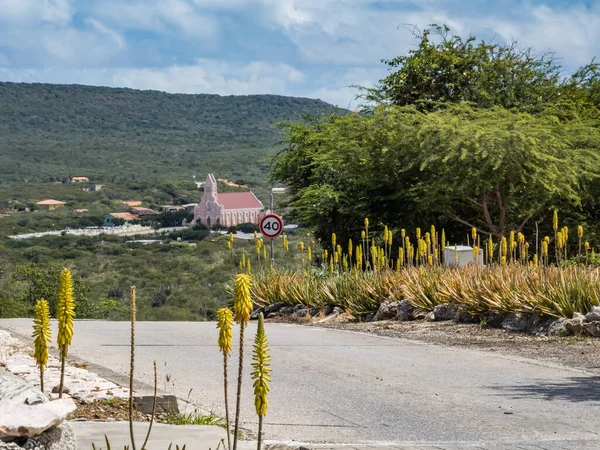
(271, 226)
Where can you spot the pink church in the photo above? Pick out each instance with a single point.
(228, 209)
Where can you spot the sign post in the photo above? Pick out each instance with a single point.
(271, 226)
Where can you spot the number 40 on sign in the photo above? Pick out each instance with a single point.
(271, 226)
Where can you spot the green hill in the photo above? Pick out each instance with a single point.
(49, 132)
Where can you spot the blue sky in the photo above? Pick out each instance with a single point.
(309, 48)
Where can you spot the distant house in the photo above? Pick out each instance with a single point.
(279, 190)
(139, 212)
(135, 213)
(81, 211)
(226, 209)
(199, 184)
(94, 187)
(50, 204)
(111, 218)
(130, 203)
(80, 179)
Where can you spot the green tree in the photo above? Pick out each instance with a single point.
(447, 68)
(44, 282)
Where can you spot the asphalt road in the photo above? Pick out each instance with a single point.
(342, 387)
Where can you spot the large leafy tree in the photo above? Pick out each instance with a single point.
(445, 68)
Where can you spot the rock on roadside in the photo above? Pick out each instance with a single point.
(28, 420)
(386, 311)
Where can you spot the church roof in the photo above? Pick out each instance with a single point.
(239, 200)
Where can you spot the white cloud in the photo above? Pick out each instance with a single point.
(107, 32)
(574, 33)
(159, 16)
(53, 11)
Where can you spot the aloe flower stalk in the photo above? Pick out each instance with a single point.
(242, 307)
(132, 305)
(225, 326)
(555, 228)
(261, 374)
(579, 236)
(42, 335)
(65, 312)
(490, 250)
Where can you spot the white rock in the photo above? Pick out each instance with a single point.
(17, 419)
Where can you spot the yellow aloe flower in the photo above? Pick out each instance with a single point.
(560, 240)
(443, 239)
(255, 235)
(504, 247)
(333, 240)
(301, 245)
(579, 231)
(230, 237)
(229, 245)
(403, 233)
(65, 312)
(350, 248)
(225, 326)
(544, 248)
(474, 234)
(41, 335)
(385, 233)
(490, 249)
(535, 260)
(242, 305)
(418, 233)
(309, 254)
(367, 222)
(390, 238)
(262, 369)
(362, 234)
(555, 220)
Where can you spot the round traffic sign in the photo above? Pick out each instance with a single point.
(271, 226)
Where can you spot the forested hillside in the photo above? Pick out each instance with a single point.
(48, 132)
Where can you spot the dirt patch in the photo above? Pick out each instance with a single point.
(117, 409)
(575, 352)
